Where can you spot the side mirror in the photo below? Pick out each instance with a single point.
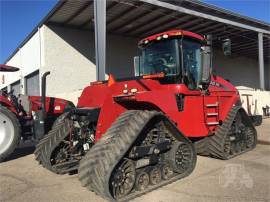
(136, 61)
(206, 65)
(226, 47)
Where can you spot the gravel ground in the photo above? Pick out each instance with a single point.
(244, 178)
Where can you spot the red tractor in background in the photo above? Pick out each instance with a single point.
(130, 136)
(26, 117)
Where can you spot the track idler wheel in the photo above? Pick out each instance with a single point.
(123, 179)
(181, 157)
(142, 181)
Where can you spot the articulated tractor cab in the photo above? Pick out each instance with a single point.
(26, 117)
(127, 137)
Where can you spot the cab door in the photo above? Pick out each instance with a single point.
(201, 108)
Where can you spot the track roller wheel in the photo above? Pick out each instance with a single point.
(237, 147)
(123, 179)
(181, 157)
(166, 171)
(243, 145)
(142, 181)
(155, 175)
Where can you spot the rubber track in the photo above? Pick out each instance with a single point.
(39, 146)
(45, 148)
(97, 165)
(215, 143)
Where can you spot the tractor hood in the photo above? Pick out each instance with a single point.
(96, 93)
(7, 68)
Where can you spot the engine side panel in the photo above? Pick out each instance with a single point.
(152, 95)
(53, 105)
(93, 96)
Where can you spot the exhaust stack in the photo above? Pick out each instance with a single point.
(43, 94)
(39, 121)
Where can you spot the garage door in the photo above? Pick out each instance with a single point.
(16, 87)
(32, 84)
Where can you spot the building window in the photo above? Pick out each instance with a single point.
(15, 87)
(32, 84)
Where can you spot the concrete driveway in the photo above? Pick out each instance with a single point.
(244, 178)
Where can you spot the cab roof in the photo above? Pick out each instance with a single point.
(171, 33)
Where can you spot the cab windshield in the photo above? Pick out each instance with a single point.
(161, 56)
(178, 59)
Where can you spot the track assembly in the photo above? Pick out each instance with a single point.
(136, 157)
(235, 136)
(63, 147)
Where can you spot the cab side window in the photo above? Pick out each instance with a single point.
(192, 62)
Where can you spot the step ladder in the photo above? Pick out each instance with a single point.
(212, 114)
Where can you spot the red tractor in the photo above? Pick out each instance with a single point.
(130, 136)
(26, 117)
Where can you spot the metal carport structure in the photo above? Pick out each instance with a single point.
(140, 18)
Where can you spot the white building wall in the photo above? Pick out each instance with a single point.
(11, 77)
(27, 59)
(64, 57)
(70, 56)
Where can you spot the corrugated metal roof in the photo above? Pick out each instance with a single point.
(139, 19)
(216, 11)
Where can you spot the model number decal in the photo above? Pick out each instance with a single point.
(213, 83)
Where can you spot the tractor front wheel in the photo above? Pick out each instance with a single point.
(10, 132)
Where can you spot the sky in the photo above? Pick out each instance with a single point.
(19, 17)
